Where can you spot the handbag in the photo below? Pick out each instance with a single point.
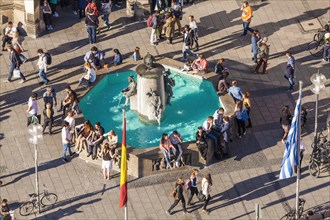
(174, 194)
(16, 73)
(201, 196)
(245, 116)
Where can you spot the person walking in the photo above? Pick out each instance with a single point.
(206, 188)
(42, 64)
(326, 47)
(246, 17)
(263, 50)
(254, 42)
(106, 8)
(285, 121)
(66, 139)
(290, 69)
(92, 23)
(14, 65)
(192, 186)
(48, 118)
(179, 197)
(33, 105)
(16, 43)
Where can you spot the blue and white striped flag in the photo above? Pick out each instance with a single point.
(291, 156)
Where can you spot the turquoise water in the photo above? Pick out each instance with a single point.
(195, 99)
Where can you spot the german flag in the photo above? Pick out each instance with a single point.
(123, 168)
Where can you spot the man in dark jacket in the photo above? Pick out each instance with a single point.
(15, 63)
(188, 41)
(92, 23)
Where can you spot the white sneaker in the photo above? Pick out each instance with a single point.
(75, 12)
(177, 164)
(56, 14)
(21, 81)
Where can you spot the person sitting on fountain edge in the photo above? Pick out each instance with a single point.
(169, 83)
(201, 142)
(210, 133)
(165, 146)
(218, 115)
(176, 141)
(130, 90)
(117, 58)
(95, 57)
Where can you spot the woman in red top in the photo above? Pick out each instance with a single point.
(165, 146)
(92, 5)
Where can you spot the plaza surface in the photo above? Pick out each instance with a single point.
(247, 178)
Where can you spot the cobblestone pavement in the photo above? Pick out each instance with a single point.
(240, 182)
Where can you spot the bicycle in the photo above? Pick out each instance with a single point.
(320, 159)
(316, 46)
(291, 215)
(47, 199)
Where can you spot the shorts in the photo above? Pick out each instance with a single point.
(107, 164)
(286, 128)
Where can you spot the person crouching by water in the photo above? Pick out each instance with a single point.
(130, 90)
(165, 147)
(179, 197)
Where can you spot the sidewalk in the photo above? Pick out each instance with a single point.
(248, 178)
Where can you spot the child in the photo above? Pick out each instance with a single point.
(117, 58)
(107, 156)
(48, 118)
(136, 55)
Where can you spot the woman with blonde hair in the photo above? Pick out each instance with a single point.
(192, 186)
(247, 104)
(48, 118)
(178, 197)
(112, 137)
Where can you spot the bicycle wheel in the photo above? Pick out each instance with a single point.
(315, 49)
(288, 216)
(49, 199)
(26, 208)
(314, 168)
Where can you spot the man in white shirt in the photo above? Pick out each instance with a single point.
(66, 139)
(9, 34)
(32, 105)
(42, 65)
(207, 127)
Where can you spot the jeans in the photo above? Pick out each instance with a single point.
(326, 52)
(91, 30)
(66, 147)
(106, 20)
(22, 57)
(95, 147)
(11, 71)
(43, 76)
(176, 201)
(291, 81)
(188, 51)
(153, 36)
(167, 156)
(178, 149)
(246, 27)
(240, 126)
(214, 136)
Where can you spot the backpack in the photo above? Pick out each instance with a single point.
(48, 58)
(149, 21)
(187, 184)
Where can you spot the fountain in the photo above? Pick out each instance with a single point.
(150, 99)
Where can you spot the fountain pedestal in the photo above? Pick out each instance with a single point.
(151, 98)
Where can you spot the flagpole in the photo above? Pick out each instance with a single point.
(298, 149)
(124, 117)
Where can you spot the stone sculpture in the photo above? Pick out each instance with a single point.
(156, 104)
(169, 83)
